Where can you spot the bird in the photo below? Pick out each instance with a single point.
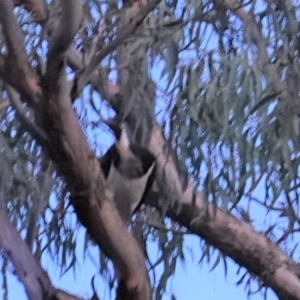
(129, 170)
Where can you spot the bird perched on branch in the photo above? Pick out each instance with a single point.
(129, 170)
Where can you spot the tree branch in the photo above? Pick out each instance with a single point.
(231, 236)
(36, 281)
(16, 62)
(63, 35)
(77, 163)
(22, 113)
(91, 198)
(37, 8)
(136, 15)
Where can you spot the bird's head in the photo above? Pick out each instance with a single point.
(120, 131)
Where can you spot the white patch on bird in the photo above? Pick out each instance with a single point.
(123, 144)
(127, 192)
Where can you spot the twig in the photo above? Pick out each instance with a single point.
(21, 111)
(62, 37)
(137, 17)
(4, 104)
(163, 228)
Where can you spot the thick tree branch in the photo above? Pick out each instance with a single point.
(77, 163)
(91, 197)
(239, 241)
(136, 15)
(68, 25)
(233, 237)
(74, 59)
(36, 281)
(63, 35)
(16, 62)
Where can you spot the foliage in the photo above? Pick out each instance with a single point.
(233, 131)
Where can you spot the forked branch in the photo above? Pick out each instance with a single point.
(68, 147)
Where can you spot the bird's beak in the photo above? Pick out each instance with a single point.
(119, 130)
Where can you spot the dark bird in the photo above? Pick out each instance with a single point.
(129, 170)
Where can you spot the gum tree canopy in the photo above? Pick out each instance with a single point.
(210, 87)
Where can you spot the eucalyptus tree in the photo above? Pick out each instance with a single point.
(210, 87)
